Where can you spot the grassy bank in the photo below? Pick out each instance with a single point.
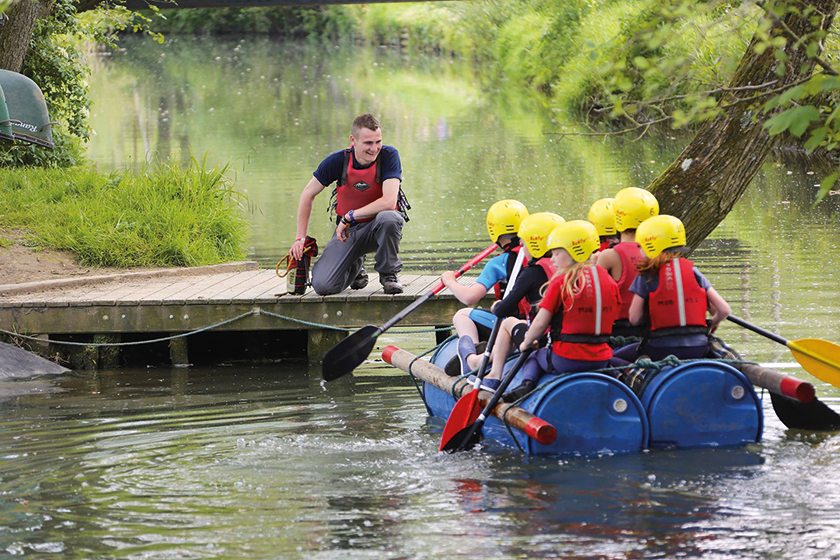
(159, 216)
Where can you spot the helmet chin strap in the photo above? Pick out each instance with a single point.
(514, 242)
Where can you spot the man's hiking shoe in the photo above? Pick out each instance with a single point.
(516, 394)
(360, 281)
(390, 284)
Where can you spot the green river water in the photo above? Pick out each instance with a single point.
(244, 461)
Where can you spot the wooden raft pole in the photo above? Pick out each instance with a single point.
(534, 427)
(778, 383)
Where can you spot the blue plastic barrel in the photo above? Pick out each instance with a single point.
(702, 404)
(593, 413)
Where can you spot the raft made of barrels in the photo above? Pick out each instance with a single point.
(701, 403)
(592, 413)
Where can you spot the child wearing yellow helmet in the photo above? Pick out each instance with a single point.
(631, 207)
(502, 220)
(602, 216)
(579, 307)
(522, 290)
(672, 296)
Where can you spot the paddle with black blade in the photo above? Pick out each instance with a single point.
(471, 435)
(346, 356)
(466, 410)
(802, 410)
(818, 357)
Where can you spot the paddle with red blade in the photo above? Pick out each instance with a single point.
(466, 410)
(818, 357)
(346, 356)
(471, 435)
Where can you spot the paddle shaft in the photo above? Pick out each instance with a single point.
(485, 357)
(351, 351)
(434, 291)
(758, 330)
(820, 358)
(494, 400)
(534, 427)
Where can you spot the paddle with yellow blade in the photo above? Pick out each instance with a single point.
(818, 357)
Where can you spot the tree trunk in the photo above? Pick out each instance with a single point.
(16, 32)
(703, 184)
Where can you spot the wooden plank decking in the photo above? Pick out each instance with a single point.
(184, 301)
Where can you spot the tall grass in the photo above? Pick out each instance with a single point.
(157, 216)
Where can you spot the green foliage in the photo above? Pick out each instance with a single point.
(55, 63)
(157, 216)
(614, 56)
(809, 111)
(288, 21)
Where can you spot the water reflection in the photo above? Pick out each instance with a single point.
(264, 461)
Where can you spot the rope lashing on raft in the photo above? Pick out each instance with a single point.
(255, 311)
(414, 379)
(635, 375)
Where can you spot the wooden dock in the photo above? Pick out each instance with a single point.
(239, 311)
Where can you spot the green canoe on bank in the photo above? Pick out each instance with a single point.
(5, 125)
(27, 116)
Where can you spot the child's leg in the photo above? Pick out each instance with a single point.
(502, 347)
(627, 353)
(533, 368)
(467, 332)
(464, 326)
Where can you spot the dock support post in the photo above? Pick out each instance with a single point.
(178, 352)
(442, 332)
(320, 341)
(108, 356)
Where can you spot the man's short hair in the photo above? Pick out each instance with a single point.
(364, 121)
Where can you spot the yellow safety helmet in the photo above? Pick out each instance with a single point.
(504, 217)
(659, 233)
(578, 237)
(602, 216)
(632, 206)
(534, 230)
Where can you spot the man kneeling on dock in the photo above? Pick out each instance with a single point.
(369, 212)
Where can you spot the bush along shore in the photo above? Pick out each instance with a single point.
(573, 54)
(159, 215)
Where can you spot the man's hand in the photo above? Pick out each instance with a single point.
(341, 231)
(297, 249)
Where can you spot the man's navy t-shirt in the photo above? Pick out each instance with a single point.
(331, 169)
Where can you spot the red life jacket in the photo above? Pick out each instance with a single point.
(357, 187)
(604, 246)
(582, 332)
(500, 286)
(679, 302)
(629, 253)
(525, 307)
